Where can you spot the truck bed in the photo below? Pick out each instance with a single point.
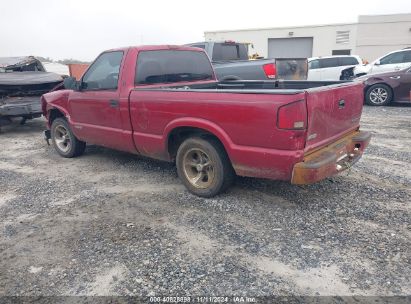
(246, 112)
(255, 87)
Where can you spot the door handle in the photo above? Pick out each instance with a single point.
(113, 103)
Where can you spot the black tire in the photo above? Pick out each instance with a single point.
(73, 146)
(378, 95)
(216, 177)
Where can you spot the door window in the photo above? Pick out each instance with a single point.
(348, 61)
(393, 58)
(314, 64)
(407, 56)
(103, 73)
(329, 62)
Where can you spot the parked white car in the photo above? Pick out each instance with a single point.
(330, 68)
(391, 62)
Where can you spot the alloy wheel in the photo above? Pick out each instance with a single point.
(198, 168)
(378, 95)
(62, 138)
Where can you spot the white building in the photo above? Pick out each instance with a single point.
(55, 67)
(370, 37)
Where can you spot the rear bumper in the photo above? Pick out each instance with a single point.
(331, 159)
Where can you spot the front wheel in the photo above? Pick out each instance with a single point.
(64, 141)
(378, 95)
(204, 167)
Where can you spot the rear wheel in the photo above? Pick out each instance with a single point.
(378, 95)
(64, 141)
(204, 167)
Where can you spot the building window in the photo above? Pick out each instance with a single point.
(341, 52)
(343, 37)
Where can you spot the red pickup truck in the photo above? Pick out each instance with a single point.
(164, 102)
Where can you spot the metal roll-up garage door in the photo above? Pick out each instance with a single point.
(301, 47)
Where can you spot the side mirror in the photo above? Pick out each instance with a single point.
(377, 62)
(70, 83)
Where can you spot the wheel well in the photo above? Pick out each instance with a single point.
(54, 113)
(178, 135)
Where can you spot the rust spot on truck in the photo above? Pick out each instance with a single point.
(269, 173)
(332, 159)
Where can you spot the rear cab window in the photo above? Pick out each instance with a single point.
(171, 66)
(229, 51)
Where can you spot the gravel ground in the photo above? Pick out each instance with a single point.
(110, 223)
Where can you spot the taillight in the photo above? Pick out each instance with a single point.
(292, 116)
(270, 70)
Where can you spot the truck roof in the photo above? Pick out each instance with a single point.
(219, 41)
(157, 48)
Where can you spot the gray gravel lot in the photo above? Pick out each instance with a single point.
(110, 223)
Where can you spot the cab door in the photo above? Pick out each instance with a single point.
(95, 108)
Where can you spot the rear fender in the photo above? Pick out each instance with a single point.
(199, 123)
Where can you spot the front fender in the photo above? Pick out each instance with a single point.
(57, 100)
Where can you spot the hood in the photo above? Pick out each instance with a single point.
(27, 83)
(28, 78)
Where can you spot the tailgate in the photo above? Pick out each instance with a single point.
(332, 112)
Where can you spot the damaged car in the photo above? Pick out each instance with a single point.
(22, 82)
